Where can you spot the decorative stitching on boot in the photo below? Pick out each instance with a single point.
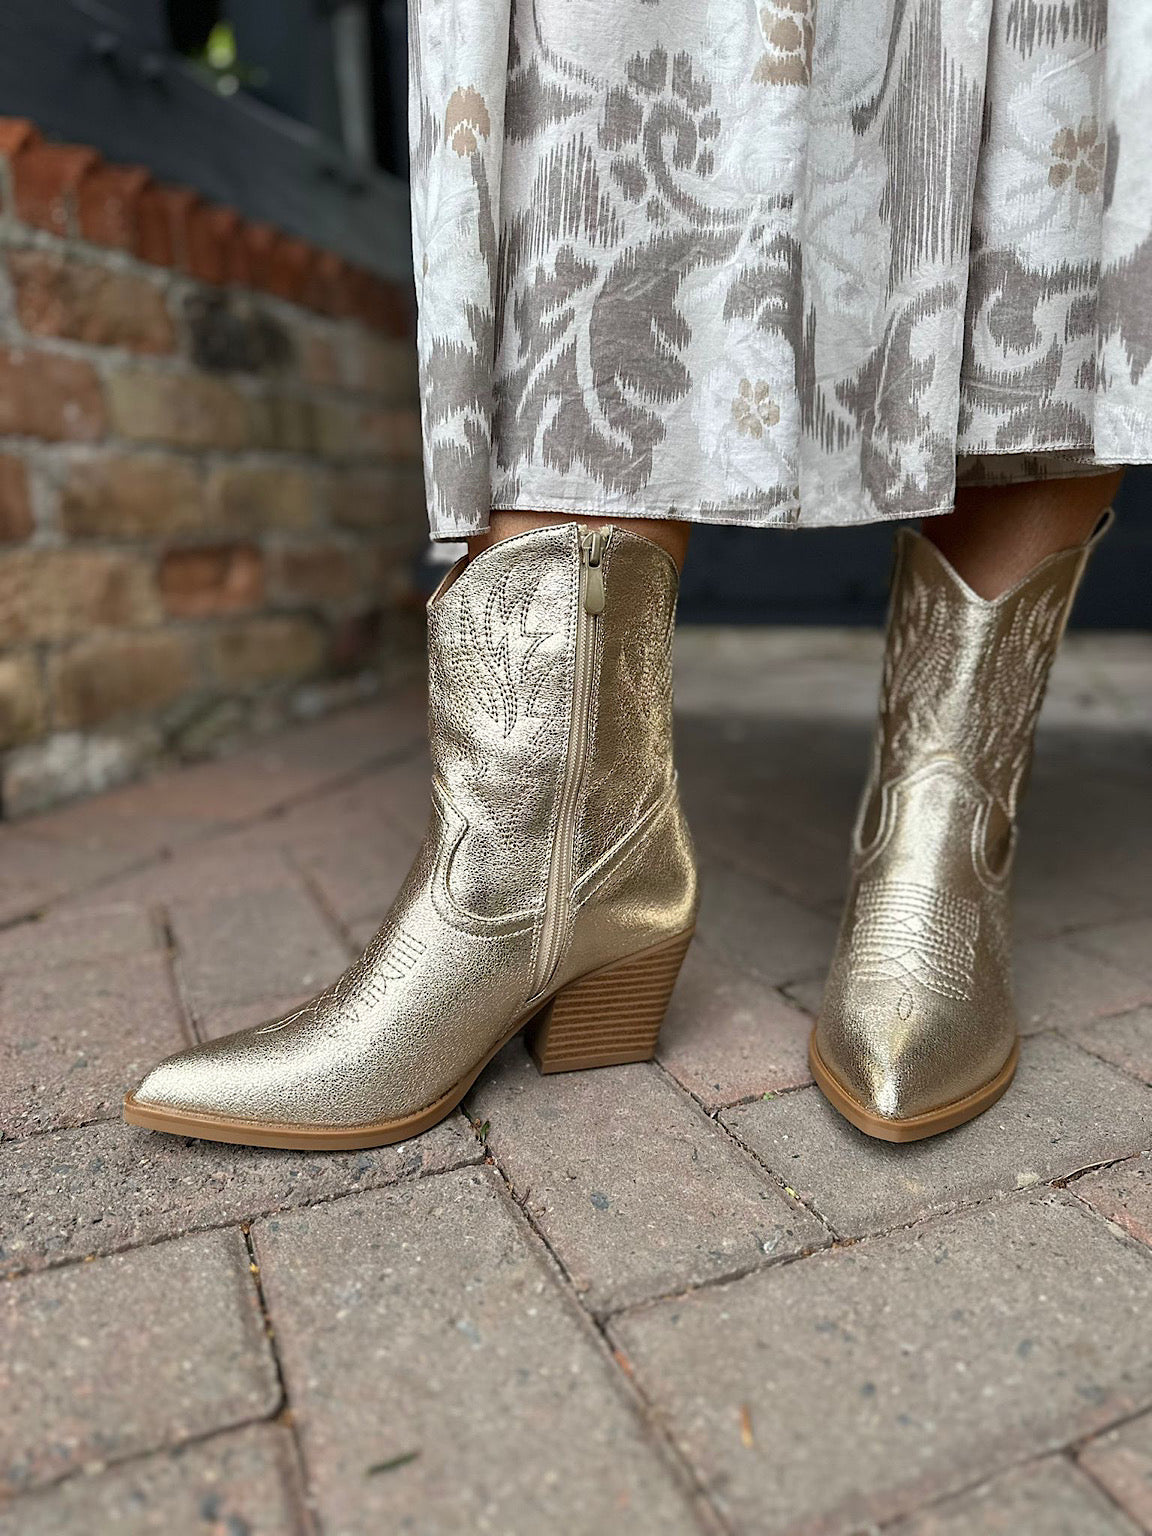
(910, 933)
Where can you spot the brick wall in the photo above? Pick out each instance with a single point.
(210, 493)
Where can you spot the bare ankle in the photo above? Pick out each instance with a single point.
(669, 534)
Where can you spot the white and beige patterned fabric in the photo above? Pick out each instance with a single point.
(778, 263)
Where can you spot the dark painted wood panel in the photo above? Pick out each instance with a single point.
(83, 75)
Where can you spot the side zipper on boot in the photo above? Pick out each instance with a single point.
(558, 894)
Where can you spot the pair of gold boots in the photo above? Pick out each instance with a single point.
(556, 888)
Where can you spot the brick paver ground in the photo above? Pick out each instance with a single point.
(677, 1297)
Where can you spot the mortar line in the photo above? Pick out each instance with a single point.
(1066, 1453)
(284, 1413)
(678, 1463)
(71, 1261)
(794, 1200)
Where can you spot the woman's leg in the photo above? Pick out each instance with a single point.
(999, 533)
(669, 534)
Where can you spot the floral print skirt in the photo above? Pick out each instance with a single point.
(802, 262)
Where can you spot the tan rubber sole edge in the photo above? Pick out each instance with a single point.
(933, 1123)
(294, 1138)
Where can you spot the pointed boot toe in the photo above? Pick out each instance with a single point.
(900, 1073)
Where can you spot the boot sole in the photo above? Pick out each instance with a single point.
(932, 1123)
(605, 1018)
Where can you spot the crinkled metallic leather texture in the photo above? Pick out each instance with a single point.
(451, 969)
(918, 1009)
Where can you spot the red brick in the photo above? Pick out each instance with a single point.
(318, 573)
(328, 285)
(80, 300)
(16, 522)
(109, 675)
(108, 205)
(259, 242)
(45, 178)
(16, 133)
(163, 217)
(290, 268)
(213, 234)
(45, 395)
(210, 579)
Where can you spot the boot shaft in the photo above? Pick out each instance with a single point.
(550, 686)
(964, 677)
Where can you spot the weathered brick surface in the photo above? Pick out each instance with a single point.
(379, 365)
(183, 410)
(265, 650)
(234, 950)
(212, 579)
(59, 296)
(767, 935)
(45, 178)
(1059, 986)
(1121, 1462)
(370, 498)
(162, 224)
(1049, 1498)
(261, 497)
(108, 205)
(21, 699)
(167, 399)
(352, 849)
(107, 1186)
(421, 1323)
(1127, 945)
(34, 872)
(141, 1371)
(75, 1037)
(62, 594)
(1125, 1040)
(106, 931)
(68, 764)
(16, 520)
(320, 573)
(629, 1224)
(43, 394)
(729, 1037)
(96, 680)
(130, 496)
(861, 1383)
(1064, 1111)
(1123, 1194)
(243, 1482)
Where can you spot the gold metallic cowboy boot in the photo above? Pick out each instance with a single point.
(917, 1032)
(556, 886)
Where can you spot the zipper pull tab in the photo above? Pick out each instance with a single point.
(592, 572)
